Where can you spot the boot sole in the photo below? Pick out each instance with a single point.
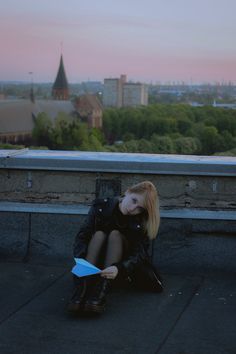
(94, 308)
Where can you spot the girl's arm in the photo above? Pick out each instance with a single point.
(137, 255)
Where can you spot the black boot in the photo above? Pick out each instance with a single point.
(77, 300)
(97, 299)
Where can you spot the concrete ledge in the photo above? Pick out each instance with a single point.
(118, 162)
(83, 210)
(43, 208)
(198, 214)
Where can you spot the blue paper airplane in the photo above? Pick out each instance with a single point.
(84, 268)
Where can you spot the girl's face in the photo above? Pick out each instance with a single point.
(132, 204)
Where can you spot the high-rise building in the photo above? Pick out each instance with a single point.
(113, 92)
(120, 93)
(135, 94)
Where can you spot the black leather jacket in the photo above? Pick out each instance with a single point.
(100, 218)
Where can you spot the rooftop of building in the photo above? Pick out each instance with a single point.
(196, 258)
(17, 115)
(194, 314)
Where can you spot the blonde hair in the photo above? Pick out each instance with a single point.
(151, 204)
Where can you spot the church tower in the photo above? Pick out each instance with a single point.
(60, 89)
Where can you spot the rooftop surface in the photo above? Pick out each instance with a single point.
(196, 258)
(194, 315)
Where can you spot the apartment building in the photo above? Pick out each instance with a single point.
(113, 92)
(135, 94)
(120, 93)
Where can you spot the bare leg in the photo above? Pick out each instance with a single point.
(95, 247)
(116, 244)
(115, 248)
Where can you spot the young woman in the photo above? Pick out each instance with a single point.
(115, 237)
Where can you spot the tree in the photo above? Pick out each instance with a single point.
(144, 146)
(187, 146)
(162, 144)
(61, 136)
(94, 143)
(210, 140)
(184, 125)
(129, 146)
(79, 136)
(228, 141)
(42, 131)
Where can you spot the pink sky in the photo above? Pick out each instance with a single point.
(152, 40)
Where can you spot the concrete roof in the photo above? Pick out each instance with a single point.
(195, 314)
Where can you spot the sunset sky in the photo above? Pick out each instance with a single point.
(149, 40)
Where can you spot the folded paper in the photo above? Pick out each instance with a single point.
(83, 268)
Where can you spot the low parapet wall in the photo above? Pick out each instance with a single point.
(45, 194)
(190, 182)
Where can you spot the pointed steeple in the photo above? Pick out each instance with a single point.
(60, 89)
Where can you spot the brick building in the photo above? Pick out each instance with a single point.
(89, 110)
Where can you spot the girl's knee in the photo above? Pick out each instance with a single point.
(115, 234)
(100, 235)
(117, 237)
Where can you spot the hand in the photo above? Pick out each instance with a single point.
(109, 272)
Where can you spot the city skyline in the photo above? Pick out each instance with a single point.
(150, 41)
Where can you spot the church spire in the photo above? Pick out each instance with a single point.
(60, 89)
